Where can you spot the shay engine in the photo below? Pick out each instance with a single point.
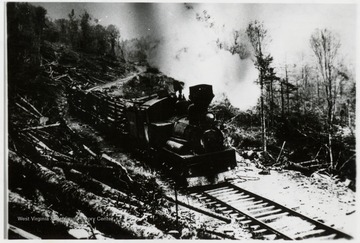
(182, 133)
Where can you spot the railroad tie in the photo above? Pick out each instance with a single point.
(260, 231)
(311, 234)
(266, 213)
(270, 237)
(252, 205)
(221, 192)
(202, 197)
(272, 217)
(300, 230)
(238, 198)
(211, 203)
(217, 189)
(254, 227)
(245, 222)
(259, 209)
(239, 218)
(241, 201)
(228, 196)
(228, 211)
(326, 237)
(221, 208)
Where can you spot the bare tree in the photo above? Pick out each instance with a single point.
(325, 46)
(258, 37)
(73, 29)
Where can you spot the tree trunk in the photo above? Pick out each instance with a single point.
(263, 122)
(101, 188)
(331, 160)
(118, 164)
(287, 91)
(271, 103)
(330, 127)
(17, 233)
(282, 100)
(41, 220)
(102, 208)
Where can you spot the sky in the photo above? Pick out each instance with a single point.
(290, 25)
(188, 50)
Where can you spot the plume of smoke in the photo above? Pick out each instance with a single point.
(188, 52)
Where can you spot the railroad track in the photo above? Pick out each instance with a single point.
(265, 218)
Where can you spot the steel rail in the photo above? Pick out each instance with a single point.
(216, 195)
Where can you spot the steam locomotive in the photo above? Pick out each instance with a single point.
(183, 133)
(180, 134)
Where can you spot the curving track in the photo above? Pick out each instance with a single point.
(265, 218)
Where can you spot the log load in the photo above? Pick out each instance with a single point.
(93, 205)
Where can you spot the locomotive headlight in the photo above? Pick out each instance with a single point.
(210, 118)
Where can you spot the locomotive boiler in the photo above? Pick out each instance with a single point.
(182, 133)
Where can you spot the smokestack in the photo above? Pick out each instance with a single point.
(201, 96)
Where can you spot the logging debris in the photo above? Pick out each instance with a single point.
(89, 202)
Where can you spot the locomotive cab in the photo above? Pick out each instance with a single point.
(148, 121)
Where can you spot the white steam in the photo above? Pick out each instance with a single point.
(188, 52)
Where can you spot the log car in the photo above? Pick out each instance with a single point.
(182, 133)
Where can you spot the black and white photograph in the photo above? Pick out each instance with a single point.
(180, 120)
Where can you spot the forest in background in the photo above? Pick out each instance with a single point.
(304, 113)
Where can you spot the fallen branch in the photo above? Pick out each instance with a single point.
(20, 233)
(90, 152)
(308, 162)
(26, 110)
(342, 166)
(40, 127)
(116, 219)
(315, 165)
(270, 155)
(59, 77)
(42, 146)
(99, 80)
(317, 154)
(282, 147)
(32, 107)
(113, 161)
